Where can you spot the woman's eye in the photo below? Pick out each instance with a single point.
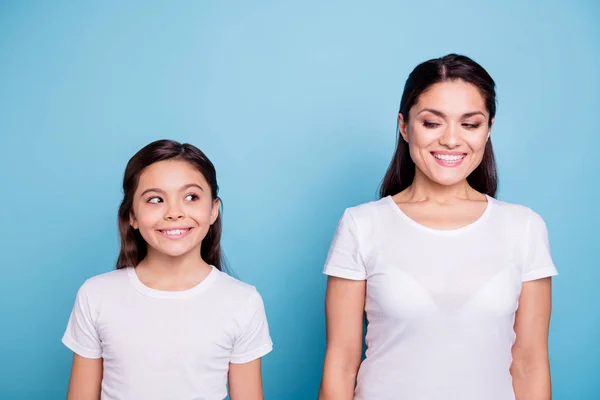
(154, 200)
(429, 124)
(191, 197)
(471, 126)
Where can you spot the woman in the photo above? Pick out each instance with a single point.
(438, 264)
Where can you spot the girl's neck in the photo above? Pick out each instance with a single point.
(164, 272)
(424, 189)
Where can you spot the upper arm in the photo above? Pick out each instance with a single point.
(81, 335)
(344, 309)
(82, 338)
(86, 378)
(537, 262)
(253, 341)
(251, 344)
(532, 322)
(532, 318)
(345, 297)
(344, 259)
(245, 381)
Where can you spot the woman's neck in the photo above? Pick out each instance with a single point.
(424, 189)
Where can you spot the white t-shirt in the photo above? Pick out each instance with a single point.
(167, 345)
(440, 304)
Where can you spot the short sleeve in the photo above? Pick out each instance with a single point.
(254, 341)
(81, 335)
(343, 259)
(538, 263)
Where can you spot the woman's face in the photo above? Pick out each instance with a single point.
(447, 130)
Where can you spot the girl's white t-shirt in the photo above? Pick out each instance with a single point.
(440, 304)
(167, 345)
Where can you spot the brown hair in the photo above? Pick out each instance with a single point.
(133, 246)
(401, 171)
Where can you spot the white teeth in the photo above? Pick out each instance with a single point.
(447, 157)
(176, 232)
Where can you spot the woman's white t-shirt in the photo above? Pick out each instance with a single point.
(440, 304)
(167, 345)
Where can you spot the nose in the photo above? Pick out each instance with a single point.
(173, 213)
(450, 138)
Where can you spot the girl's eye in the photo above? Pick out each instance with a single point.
(471, 126)
(154, 200)
(191, 197)
(429, 124)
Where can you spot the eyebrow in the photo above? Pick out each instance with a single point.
(442, 115)
(184, 187)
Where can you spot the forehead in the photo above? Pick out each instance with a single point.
(452, 97)
(170, 174)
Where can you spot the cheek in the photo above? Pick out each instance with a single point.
(477, 143)
(420, 138)
(416, 155)
(147, 217)
(201, 212)
(418, 143)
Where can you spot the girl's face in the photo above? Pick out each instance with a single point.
(173, 208)
(447, 131)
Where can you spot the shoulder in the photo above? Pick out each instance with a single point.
(235, 291)
(102, 284)
(516, 214)
(107, 279)
(367, 212)
(96, 291)
(362, 221)
(236, 299)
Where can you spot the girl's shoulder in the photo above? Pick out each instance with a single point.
(101, 285)
(237, 295)
(101, 289)
(106, 281)
(236, 290)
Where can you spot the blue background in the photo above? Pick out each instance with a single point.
(295, 102)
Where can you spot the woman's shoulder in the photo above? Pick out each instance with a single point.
(514, 212)
(369, 210)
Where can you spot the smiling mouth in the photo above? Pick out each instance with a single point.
(448, 160)
(177, 233)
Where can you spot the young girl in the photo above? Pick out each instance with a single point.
(167, 324)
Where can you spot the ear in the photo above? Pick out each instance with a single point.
(133, 221)
(402, 127)
(490, 128)
(214, 214)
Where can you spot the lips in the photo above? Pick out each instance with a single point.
(174, 233)
(448, 159)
